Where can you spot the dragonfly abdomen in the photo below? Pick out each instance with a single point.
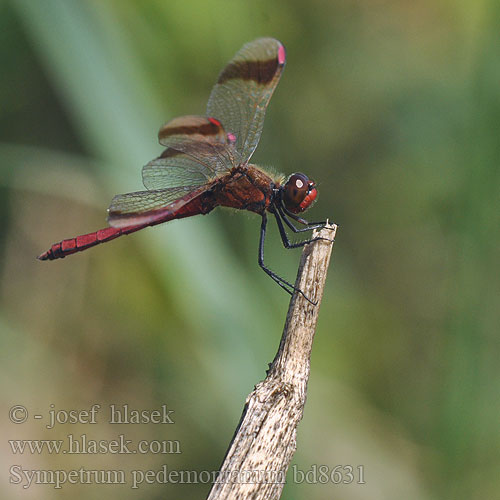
(199, 205)
(84, 241)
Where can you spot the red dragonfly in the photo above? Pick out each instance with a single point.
(206, 163)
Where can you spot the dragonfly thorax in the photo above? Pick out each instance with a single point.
(299, 192)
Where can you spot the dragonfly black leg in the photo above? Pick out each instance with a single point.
(288, 222)
(288, 287)
(282, 208)
(281, 282)
(284, 237)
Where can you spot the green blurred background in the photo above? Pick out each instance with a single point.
(392, 106)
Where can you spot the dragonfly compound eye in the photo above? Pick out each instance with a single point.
(298, 193)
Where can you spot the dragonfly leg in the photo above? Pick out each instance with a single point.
(289, 223)
(282, 208)
(281, 282)
(284, 237)
(288, 287)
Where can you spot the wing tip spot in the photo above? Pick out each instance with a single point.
(281, 54)
(215, 122)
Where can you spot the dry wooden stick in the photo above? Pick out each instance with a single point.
(256, 463)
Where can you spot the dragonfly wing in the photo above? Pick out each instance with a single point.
(144, 207)
(197, 163)
(206, 146)
(243, 90)
(198, 151)
(192, 128)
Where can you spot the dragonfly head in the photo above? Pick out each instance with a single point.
(299, 192)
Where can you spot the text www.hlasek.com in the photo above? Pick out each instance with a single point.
(82, 445)
(317, 474)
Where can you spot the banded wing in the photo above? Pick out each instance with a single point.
(243, 90)
(198, 151)
(203, 139)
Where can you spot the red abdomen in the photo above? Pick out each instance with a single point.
(73, 245)
(201, 203)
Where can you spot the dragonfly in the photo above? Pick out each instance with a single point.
(206, 164)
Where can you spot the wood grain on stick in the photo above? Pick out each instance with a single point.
(256, 463)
